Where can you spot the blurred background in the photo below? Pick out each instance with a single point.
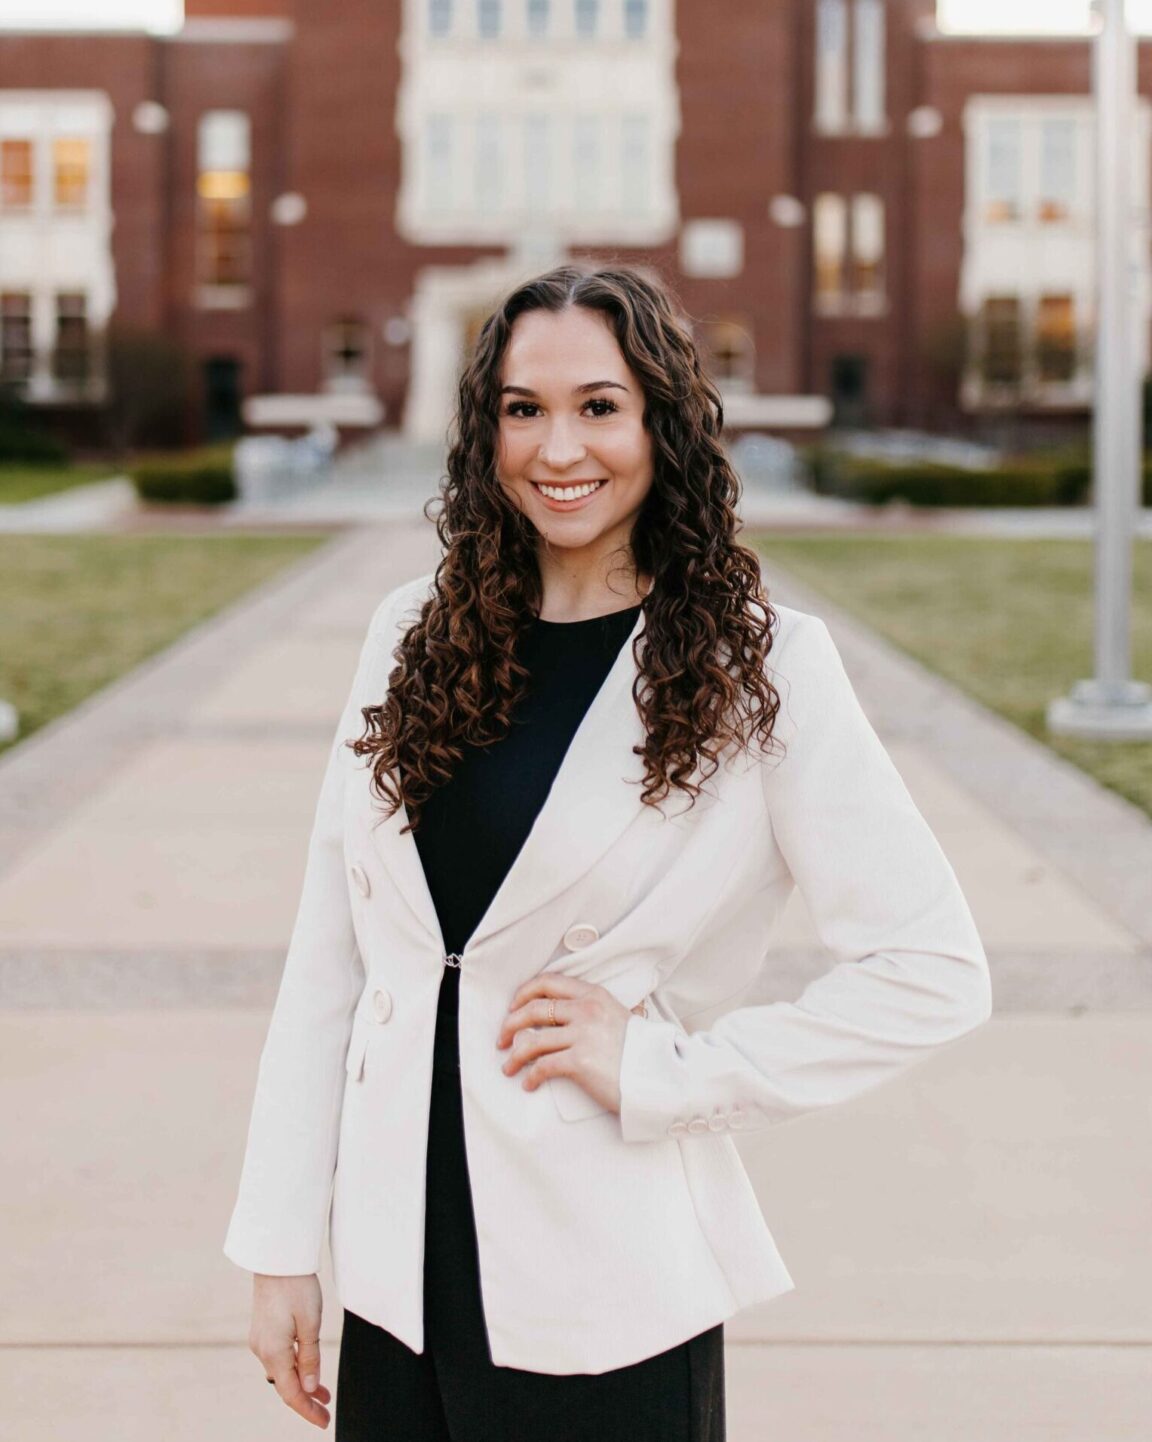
(244, 247)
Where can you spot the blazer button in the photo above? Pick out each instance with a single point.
(583, 933)
(717, 1122)
(677, 1129)
(381, 1004)
(737, 1118)
(698, 1125)
(360, 877)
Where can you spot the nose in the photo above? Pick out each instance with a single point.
(562, 446)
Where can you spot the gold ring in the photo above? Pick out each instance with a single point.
(552, 1012)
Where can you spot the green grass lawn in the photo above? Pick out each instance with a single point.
(76, 612)
(28, 483)
(1009, 621)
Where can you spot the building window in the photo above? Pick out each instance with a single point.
(347, 359)
(635, 162)
(1056, 339)
(850, 65)
(488, 19)
(537, 162)
(587, 18)
(438, 130)
(1002, 358)
(16, 352)
(72, 358)
(731, 353)
(17, 187)
(830, 240)
(868, 246)
(868, 64)
(489, 167)
(223, 189)
(586, 169)
(539, 17)
(1057, 196)
(71, 172)
(439, 17)
(1004, 178)
(849, 244)
(831, 64)
(635, 19)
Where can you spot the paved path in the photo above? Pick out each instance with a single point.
(969, 1244)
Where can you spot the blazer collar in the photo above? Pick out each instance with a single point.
(594, 796)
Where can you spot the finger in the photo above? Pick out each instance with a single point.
(528, 1045)
(308, 1360)
(538, 1012)
(295, 1396)
(555, 1063)
(549, 983)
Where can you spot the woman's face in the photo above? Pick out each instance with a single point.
(572, 449)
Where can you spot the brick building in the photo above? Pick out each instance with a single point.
(318, 199)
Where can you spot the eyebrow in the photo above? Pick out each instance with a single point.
(576, 390)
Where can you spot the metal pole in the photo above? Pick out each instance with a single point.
(1111, 705)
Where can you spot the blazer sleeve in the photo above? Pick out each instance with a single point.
(909, 974)
(280, 1215)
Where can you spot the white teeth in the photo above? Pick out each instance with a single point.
(568, 493)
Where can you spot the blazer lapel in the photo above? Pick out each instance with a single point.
(595, 795)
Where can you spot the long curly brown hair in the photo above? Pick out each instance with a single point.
(701, 681)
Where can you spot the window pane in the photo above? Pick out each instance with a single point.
(635, 162)
(538, 17)
(868, 66)
(829, 231)
(224, 140)
(868, 244)
(537, 162)
(438, 133)
(488, 18)
(347, 352)
(1003, 359)
(16, 182)
(586, 162)
(1003, 181)
(489, 169)
(1056, 338)
(439, 17)
(831, 64)
(70, 167)
(587, 16)
(16, 354)
(70, 359)
(1057, 168)
(635, 19)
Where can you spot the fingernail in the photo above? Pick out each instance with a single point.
(309, 1384)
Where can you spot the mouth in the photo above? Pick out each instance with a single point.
(567, 497)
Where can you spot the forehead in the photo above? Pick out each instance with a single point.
(562, 348)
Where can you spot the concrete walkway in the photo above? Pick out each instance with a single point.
(970, 1244)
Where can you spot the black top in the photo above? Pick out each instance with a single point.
(472, 828)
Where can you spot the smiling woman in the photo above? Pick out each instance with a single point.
(564, 841)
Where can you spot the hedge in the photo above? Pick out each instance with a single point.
(202, 478)
(1042, 481)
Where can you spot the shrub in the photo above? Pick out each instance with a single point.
(200, 478)
(21, 439)
(1025, 482)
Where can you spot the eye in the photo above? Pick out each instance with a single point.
(516, 408)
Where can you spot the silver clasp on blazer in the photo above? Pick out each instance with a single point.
(453, 959)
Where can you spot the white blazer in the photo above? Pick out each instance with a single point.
(603, 1238)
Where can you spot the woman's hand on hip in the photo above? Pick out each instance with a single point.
(285, 1335)
(586, 1043)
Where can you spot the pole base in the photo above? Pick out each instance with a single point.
(1103, 711)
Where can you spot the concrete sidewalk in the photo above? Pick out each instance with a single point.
(969, 1243)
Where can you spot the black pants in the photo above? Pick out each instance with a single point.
(451, 1392)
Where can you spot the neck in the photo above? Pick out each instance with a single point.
(573, 593)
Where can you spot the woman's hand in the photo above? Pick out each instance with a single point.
(586, 1044)
(285, 1335)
